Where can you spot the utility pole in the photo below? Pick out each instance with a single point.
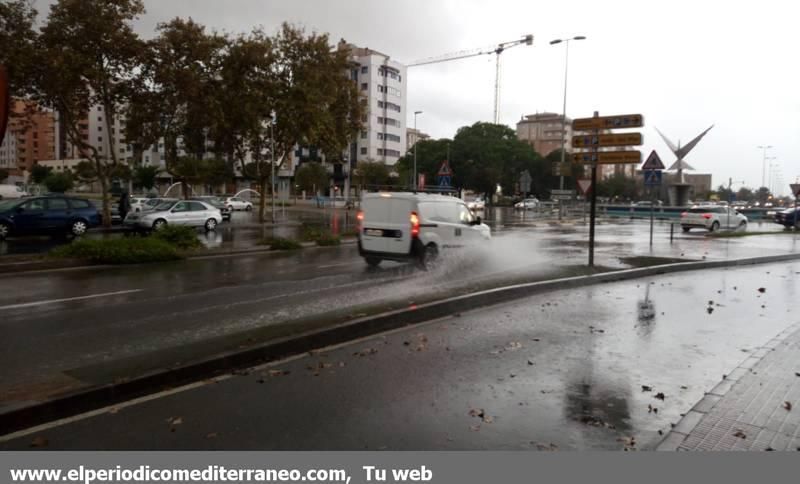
(272, 163)
(764, 163)
(416, 141)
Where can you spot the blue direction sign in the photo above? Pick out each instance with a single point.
(652, 178)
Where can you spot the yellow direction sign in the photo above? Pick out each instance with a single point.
(608, 157)
(621, 121)
(620, 139)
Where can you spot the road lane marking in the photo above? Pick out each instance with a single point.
(78, 298)
(335, 265)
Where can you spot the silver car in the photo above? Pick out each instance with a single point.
(191, 213)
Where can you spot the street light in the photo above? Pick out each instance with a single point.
(564, 112)
(764, 163)
(416, 140)
(272, 161)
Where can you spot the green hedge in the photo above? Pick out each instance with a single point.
(180, 236)
(279, 243)
(327, 240)
(134, 250)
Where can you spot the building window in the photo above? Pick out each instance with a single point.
(363, 135)
(364, 69)
(363, 150)
(99, 119)
(99, 139)
(99, 128)
(364, 86)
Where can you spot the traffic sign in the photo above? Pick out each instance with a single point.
(653, 162)
(795, 189)
(445, 169)
(619, 139)
(608, 157)
(562, 194)
(652, 178)
(608, 122)
(562, 169)
(584, 185)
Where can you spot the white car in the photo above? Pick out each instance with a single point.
(712, 218)
(403, 226)
(527, 204)
(191, 213)
(476, 204)
(138, 203)
(236, 203)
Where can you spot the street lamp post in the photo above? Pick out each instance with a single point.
(416, 140)
(764, 163)
(564, 111)
(272, 161)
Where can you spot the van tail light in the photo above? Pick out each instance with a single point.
(414, 219)
(360, 219)
(684, 214)
(707, 216)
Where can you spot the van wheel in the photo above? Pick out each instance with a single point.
(714, 227)
(428, 257)
(373, 261)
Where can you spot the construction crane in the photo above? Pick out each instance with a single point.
(502, 47)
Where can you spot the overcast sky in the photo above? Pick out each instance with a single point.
(685, 65)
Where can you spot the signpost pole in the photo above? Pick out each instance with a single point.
(593, 207)
(652, 212)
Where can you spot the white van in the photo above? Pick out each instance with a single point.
(404, 226)
(11, 191)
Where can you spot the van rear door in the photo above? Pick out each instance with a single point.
(399, 241)
(376, 216)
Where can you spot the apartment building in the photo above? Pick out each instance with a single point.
(543, 132)
(414, 135)
(30, 137)
(382, 81)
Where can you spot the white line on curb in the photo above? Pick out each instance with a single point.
(54, 301)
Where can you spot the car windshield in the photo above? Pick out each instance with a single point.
(163, 206)
(8, 204)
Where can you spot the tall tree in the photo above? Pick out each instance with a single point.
(175, 95)
(18, 40)
(145, 176)
(87, 54)
(311, 177)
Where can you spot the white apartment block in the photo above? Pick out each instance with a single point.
(382, 81)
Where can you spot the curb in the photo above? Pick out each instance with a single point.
(673, 440)
(81, 401)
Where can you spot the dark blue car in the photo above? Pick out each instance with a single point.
(47, 215)
(788, 218)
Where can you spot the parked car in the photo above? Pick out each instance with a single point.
(648, 203)
(236, 203)
(788, 218)
(152, 203)
(191, 213)
(11, 192)
(47, 215)
(527, 204)
(712, 218)
(138, 203)
(218, 203)
(478, 203)
(403, 226)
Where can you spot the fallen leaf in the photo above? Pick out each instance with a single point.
(710, 310)
(475, 428)
(530, 363)
(476, 412)
(39, 442)
(684, 387)
(787, 406)
(365, 352)
(176, 421)
(660, 432)
(513, 346)
(488, 419)
(273, 373)
(646, 388)
(660, 396)
(762, 290)
(113, 410)
(547, 447)
(740, 434)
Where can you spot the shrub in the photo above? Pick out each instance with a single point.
(119, 251)
(310, 233)
(327, 240)
(180, 236)
(279, 243)
(58, 182)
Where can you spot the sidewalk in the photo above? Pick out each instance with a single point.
(756, 407)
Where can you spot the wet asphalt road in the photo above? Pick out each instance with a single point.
(563, 370)
(67, 329)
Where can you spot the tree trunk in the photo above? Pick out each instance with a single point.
(262, 202)
(106, 199)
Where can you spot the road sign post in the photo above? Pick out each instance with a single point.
(594, 141)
